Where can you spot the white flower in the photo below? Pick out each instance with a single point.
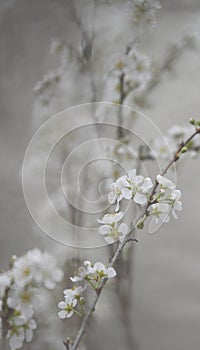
(22, 300)
(111, 218)
(111, 229)
(136, 187)
(176, 203)
(167, 197)
(102, 271)
(20, 329)
(75, 291)
(67, 306)
(143, 11)
(95, 272)
(160, 212)
(131, 184)
(50, 274)
(113, 232)
(16, 339)
(83, 271)
(5, 280)
(115, 194)
(36, 267)
(165, 183)
(142, 192)
(22, 271)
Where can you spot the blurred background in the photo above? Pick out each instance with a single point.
(165, 303)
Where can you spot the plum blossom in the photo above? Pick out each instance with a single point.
(111, 218)
(5, 280)
(27, 274)
(111, 229)
(115, 194)
(165, 183)
(135, 187)
(72, 296)
(67, 306)
(23, 271)
(166, 198)
(164, 148)
(22, 300)
(114, 232)
(38, 268)
(176, 203)
(93, 273)
(143, 11)
(131, 72)
(21, 329)
(160, 212)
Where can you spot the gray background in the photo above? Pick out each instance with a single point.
(166, 302)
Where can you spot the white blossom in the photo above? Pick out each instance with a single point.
(21, 299)
(67, 306)
(115, 194)
(136, 187)
(160, 212)
(167, 197)
(176, 203)
(143, 11)
(22, 271)
(95, 272)
(5, 280)
(20, 329)
(165, 183)
(111, 218)
(113, 232)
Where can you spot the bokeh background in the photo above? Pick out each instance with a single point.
(166, 283)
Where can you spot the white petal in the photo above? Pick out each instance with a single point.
(32, 324)
(62, 314)
(98, 266)
(105, 229)
(147, 184)
(76, 279)
(123, 228)
(140, 198)
(61, 304)
(174, 214)
(118, 216)
(178, 205)
(69, 314)
(163, 207)
(132, 174)
(112, 197)
(127, 193)
(20, 320)
(109, 240)
(111, 272)
(29, 335)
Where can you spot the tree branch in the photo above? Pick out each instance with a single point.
(121, 245)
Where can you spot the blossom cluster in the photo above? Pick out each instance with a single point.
(164, 147)
(139, 190)
(143, 11)
(18, 286)
(129, 73)
(167, 198)
(73, 298)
